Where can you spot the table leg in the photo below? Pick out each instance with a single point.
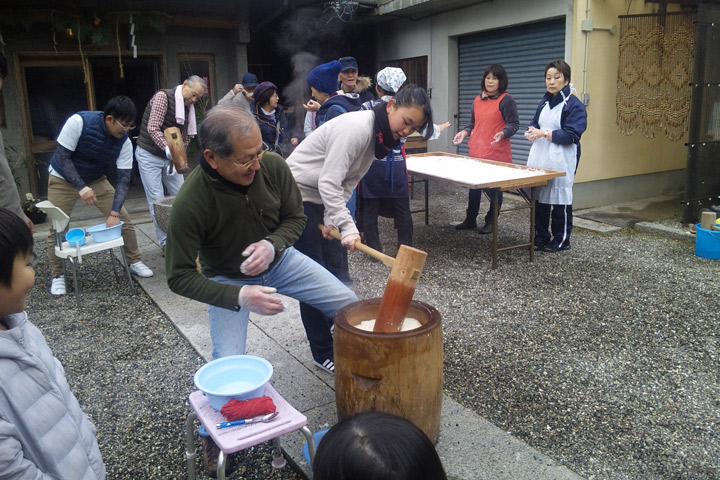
(278, 460)
(494, 193)
(311, 443)
(190, 444)
(427, 210)
(533, 195)
(222, 459)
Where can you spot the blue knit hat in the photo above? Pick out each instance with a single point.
(324, 77)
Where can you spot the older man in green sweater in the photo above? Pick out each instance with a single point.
(242, 216)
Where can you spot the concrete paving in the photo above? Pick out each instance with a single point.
(281, 339)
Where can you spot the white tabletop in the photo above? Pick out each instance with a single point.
(476, 173)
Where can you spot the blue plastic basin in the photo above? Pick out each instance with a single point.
(238, 376)
(75, 237)
(102, 234)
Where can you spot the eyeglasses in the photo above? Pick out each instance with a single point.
(126, 128)
(255, 157)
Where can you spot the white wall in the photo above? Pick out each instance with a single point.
(436, 37)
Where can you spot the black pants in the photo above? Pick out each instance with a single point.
(560, 220)
(329, 254)
(397, 208)
(474, 198)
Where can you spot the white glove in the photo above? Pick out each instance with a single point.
(258, 299)
(168, 155)
(260, 255)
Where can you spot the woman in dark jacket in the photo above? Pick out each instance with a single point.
(271, 118)
(555, 131)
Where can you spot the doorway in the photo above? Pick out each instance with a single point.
(52, 88)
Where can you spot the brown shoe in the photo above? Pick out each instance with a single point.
(210, 453)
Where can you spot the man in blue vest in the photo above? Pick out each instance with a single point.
(88, 144)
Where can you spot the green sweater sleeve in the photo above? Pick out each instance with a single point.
(185, 237)
(217, 223)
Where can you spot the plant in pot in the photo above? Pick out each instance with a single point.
(30, 209)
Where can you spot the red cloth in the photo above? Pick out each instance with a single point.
(243, 409)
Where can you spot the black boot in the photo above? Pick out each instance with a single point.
(470, 221)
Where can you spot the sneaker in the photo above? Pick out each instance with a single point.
(141, 270)
(554, 247)
(327, 365)
(210, 453)
(57, 287)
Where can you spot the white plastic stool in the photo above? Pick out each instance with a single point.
(71, 255)
(233, 439)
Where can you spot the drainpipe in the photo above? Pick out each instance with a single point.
(587, 26)
(585, 95)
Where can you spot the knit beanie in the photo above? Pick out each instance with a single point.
(324, 77)
(262, 88)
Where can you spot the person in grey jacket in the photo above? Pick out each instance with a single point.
(9, 196)
(43, 431)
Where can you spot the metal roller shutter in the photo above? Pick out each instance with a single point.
(509, 47)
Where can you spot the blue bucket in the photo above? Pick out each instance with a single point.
(707, 243)
(317, 436)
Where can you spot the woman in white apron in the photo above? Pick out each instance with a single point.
(555, 131)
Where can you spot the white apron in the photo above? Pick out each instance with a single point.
(553, 156)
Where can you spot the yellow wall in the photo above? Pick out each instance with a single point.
(607, 153)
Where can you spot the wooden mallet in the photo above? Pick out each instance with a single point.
(173, 137)
(406, 269)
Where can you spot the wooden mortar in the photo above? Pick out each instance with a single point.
(398, 373)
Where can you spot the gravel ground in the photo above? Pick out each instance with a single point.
(604, 357)
(132, 373)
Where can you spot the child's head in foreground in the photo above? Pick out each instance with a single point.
(16, 274)
(376, 446)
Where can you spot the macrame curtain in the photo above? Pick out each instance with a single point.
(654, 72)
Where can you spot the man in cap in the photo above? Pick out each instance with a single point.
(241, 95)
(329, 104)
(350, 82)
(173, 107)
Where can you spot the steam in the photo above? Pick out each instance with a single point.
(309, 39)
(297, 91)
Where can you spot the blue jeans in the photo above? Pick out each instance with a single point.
(296, 276)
